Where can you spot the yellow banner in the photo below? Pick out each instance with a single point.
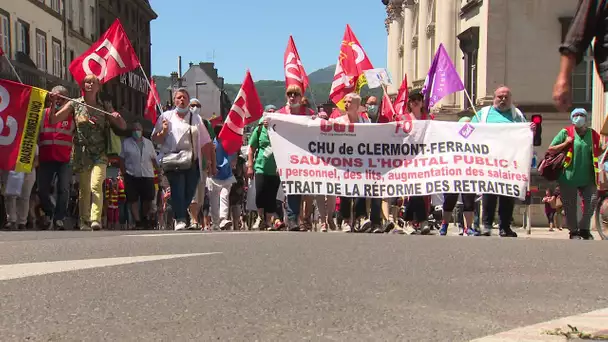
(31, 128)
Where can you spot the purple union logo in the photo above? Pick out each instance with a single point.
(466, 130)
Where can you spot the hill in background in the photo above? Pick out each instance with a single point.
(273, 92)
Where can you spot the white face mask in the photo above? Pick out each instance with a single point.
(195, 110)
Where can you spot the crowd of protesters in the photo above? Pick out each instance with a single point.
(183, 179)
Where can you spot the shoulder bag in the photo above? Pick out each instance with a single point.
(182, 160)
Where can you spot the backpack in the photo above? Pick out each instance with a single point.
(552, 165)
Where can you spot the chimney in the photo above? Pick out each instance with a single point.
(179, 66)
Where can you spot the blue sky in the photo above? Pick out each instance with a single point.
(253, 34)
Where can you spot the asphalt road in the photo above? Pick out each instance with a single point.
(294, 286)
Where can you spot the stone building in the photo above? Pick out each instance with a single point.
(38, 35)
(491, 42)
(130, 90)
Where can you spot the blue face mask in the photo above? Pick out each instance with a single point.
(182, 110)
(57, 107)
(137, 134)
(579, 121)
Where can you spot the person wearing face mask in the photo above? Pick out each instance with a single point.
(55, 147)
(583, 150)
(371, 106)
(137, 164)
(180, 133)
(199, 196)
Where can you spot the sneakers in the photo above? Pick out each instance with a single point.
(365, 226)
(377, 229)
(45, 223)
(225, 224)
(257, 223)
(180, 225)
(95, 225)
(472, 232)
(85, 227)
(346, 227)
(443, 231)
(10, 226)
(59, 225)
(586, 235)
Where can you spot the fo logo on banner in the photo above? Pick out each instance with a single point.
(102, 61)
(11, 123)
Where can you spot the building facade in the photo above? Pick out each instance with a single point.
(33, 37)
(130, 91)
(492, 43)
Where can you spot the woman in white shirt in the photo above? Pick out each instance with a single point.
(178, 130)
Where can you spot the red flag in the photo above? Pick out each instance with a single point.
(294, 70)
(1, 52)
(109, 57)
(387, 112)
(348, 76)
(21, 109)
(152, 103)
(246, 109)
(216, 120)
(402, 97)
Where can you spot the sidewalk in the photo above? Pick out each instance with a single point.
(537, 233)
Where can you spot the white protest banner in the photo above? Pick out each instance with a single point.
(377, 77)
(397, 159)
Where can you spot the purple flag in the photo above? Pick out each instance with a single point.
(442, 79)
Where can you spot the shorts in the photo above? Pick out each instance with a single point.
(138, 188)
(112, 214)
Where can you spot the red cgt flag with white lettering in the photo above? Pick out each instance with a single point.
(152, 103)
(109, 57)
(294, 70)
(246, 109)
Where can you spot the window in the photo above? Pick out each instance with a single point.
(23, 37)
(582, 80)
(582, 76)
(70, 14)
(56, 5)
(41, 50)
(92, 20)
(56, 58)
(5, 34)
(81, 15)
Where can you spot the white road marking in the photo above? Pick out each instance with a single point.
(16, 271)
(594, 322)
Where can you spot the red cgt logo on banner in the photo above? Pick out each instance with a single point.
(21, 108)
(109, 57)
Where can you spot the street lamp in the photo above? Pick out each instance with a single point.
(202, 83)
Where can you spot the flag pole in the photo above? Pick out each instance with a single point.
(312, 96)
(472, 104)
(160, 109)
(13, 68)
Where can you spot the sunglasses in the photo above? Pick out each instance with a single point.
(293, 93)
(195, 105)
